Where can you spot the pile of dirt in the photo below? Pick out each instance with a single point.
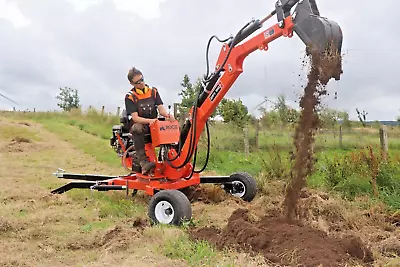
(328, 215)
(324, 66)
(19, 139)
(20, 144)
(390, 246)
(25, 123)
(205, 193)
(283, 243)
(114, 239)
(140, 223)
(395, 219)
(5, 226)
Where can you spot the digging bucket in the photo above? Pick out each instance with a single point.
(318, 33)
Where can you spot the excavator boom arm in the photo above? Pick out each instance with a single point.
(229, 67)
(316, 32)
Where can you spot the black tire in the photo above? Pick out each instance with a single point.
(242, 185)
(166, 201)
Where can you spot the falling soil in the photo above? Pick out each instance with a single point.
(282, 243)
(323, 68)
(285, 239)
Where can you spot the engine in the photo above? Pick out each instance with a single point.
(121, 131)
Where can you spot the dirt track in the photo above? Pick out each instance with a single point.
(41, 229)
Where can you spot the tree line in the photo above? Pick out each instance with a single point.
(232, 110)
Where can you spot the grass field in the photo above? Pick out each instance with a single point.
(84, 228)
(346, 169)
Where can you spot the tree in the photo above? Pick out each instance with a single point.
(282, 109)
(68, 98)
(328, 117)
(345, 118)
(234, 111)
(270, 118)
(189, 94)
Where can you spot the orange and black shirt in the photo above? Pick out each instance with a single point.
(143, 102)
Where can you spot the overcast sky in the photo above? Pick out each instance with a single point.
(91, 44)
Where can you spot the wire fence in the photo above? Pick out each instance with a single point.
(225, 136)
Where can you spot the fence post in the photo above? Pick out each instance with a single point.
(246, 141)
(340, 136)
(176, 110)
(118, 110)
(384, 141)
(257, 133)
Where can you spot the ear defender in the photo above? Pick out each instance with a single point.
(141, 92)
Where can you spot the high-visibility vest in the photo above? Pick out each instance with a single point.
(145, 101)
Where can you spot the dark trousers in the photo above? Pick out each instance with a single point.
(138, 132)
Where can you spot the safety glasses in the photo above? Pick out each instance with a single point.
(139, 81)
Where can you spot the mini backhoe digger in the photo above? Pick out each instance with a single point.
(177, 147)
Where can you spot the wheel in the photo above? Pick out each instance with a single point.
(242, 185)
(169, 207)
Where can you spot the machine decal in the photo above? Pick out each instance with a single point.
(215, 92)
(268, 33)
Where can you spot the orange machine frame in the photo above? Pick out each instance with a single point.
(165, 175)
(234, 64)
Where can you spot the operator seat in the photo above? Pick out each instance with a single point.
(126, 121)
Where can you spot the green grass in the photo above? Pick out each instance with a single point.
(95, 226)
(225, 162)
(195, 253)
(337, 168)
(391, 198)
(109, 204)
(99, 148)
(352, 173)
(10, 132)
(228, 137)
(224, 137)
